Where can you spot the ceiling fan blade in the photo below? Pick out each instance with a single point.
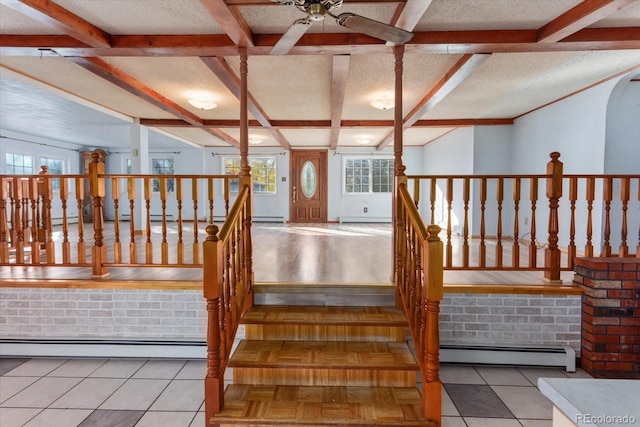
(373, 28)
(291, 37)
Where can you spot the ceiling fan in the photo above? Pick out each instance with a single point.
(316, 11)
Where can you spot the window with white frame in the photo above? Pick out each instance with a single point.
(19, 164)
(368, 175)
(263, 171)
(54, 167)
(163, 167)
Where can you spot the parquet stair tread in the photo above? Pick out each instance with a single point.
(323, 354)
(325, 315)
(321, 406)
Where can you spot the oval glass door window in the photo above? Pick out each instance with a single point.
(308, 179)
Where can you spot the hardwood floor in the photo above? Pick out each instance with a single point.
(294, 253)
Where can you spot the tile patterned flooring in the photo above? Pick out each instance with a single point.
(126, 393)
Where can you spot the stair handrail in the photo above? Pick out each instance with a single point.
(228, 290)
(419, 281)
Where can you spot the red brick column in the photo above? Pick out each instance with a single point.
(610, 316)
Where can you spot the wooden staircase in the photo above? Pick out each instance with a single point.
(323, 366)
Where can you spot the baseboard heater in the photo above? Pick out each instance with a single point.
(102, 348)
(495, 355)
(256, 218)
(520, 356)
(347, 219)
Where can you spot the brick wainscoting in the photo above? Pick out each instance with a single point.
(610, 316)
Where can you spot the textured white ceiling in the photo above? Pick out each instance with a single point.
(291, 87)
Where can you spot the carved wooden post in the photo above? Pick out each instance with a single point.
(432, 292)
(398, 52)
(212, 286)
(46, 234)
(97, 189)
(554, 193)
(400, 237)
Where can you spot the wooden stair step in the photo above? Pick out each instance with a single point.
(325, 315)
(327, 354)
(321, 406)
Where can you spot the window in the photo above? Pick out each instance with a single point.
(362, 175)
(54, 167)
(17, 164)
(263, 171)
(163, 167)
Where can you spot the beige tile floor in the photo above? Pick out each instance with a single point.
(127, 393)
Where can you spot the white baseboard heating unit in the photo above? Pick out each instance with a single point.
(347, 219)
(519, 356)
(494, 355)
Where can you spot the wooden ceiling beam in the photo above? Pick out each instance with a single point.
(325, 124)
(579, 17)
(221, 68)
(340, 73)
(231, 21)
(124, 81)
(452, 79)
(55, 16)
(454, 42)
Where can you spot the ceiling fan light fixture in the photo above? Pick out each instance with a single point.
(383, 103)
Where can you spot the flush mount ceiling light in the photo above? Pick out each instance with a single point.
(383, 103)
(255, 140)
(363, 140)
(202, 102)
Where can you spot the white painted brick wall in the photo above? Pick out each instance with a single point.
(506, 319)
(104, 313)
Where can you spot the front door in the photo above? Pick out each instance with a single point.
(308, 201)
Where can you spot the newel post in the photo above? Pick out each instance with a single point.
(97, 190)
(432, 291)
(212, 287)
(554, 193)
(399, 235)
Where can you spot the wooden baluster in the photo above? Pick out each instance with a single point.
(210, 194)
(26, 230)
(148, 247)
(533, 245)
(554, 193)
(248, 255)
(483, 202)
(194, 198)
(607, 196)
(33, 196)
(416, 192)
(115, 196)
(625, 193)
(432, 293)
(4, 226)
(47, 234)
(433, 197)
(212, 285)
(226, 197)
(180, 246)
(591, 192)
(66, 245)
(500, 199)
(16, 221)
(573, 197)
(164, 246)
(465, 238)
(12, 211)
(515, 251)
(400, 250)
(82, 253)
(98, 191)
(133, 247)
(449, 256)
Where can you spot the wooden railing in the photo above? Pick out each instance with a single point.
(531, 222)
(135, 220)
(228, 290)
(419, 284)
